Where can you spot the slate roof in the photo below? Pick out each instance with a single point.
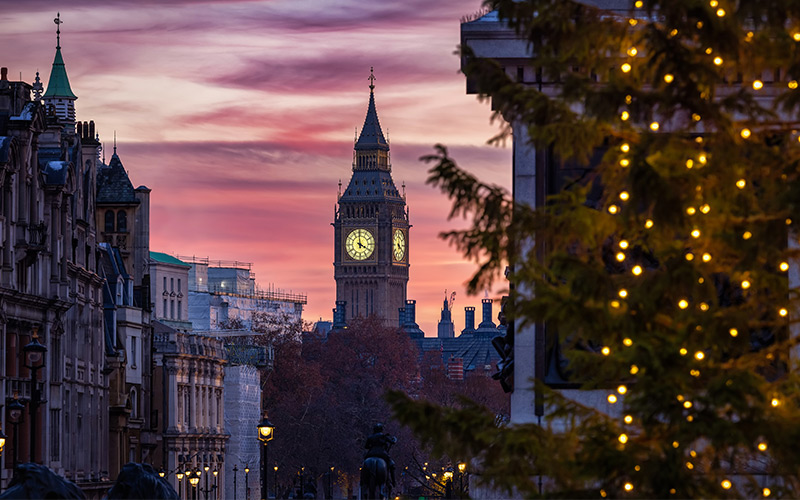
(113, 184)
(476, 350)
(58, 85)
(371, 137)
(371, 185)
(164, 258)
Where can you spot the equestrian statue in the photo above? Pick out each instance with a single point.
(377, 473)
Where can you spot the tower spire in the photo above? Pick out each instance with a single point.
(115, 143)
(371, 79)
(59, 95)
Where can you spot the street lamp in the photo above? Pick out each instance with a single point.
(275, 481)
(247, 483)
(462, 467)
(34, 361)
(179, 475)
(205, 468)
(216, 471)
(161, 472)
(15, 409)
(194, 480)
(266, 431)
(235, 470)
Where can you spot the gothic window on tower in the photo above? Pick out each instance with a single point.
(109, 226)
(122, 221)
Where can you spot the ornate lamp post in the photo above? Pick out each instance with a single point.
(266, 431)
(214, 488)
(235, 470)
(161, 472)
(462, 467)
(247, 483)
(34, 361)
(179, 475)
(205, 468)
(15, 409)
(194, 480)
(275, 481)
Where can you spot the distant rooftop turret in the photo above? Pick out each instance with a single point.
(59, 94)
(469, 320)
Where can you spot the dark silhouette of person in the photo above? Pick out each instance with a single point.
(378, 445)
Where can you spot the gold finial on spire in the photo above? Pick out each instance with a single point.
(58, 22)
(371, 79)
(115, 142)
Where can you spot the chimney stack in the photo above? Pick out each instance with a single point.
(469, 318)
(4, 74)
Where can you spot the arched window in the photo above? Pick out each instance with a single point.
(122, 221)
(109, 221)
(134, 399)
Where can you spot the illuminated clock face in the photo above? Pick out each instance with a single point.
(399, 244)
(360, 244)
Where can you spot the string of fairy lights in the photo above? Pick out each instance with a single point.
(615, 206)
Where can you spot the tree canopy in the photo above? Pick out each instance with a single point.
(667, 268)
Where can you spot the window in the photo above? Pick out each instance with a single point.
(179, 285)
(55, 435)
(179, 310)
(165, 284)
(172, 309)
(134, 403)
(164, 314)
(109, 221)
(122, 221)
(172, 284)
(133, 352)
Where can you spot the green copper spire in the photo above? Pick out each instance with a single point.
(58, 86)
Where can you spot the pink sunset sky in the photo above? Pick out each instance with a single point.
(240, 117)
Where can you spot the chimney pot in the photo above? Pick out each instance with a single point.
(91, 129)
(4, 73)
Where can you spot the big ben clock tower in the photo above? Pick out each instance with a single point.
(371, 230)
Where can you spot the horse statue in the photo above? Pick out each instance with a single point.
(141, 481)
(37, 481)
(375, 483)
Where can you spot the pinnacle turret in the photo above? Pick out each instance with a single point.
(59, 94)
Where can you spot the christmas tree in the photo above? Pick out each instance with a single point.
(669, 267)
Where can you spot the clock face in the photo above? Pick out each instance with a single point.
(360, 244)
(399, 244)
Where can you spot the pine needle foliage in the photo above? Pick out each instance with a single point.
(677, 284)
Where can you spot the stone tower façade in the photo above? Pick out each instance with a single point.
(371, 231)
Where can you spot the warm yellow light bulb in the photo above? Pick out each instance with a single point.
(703, 306)
(625, 147)
(713, 3)
(696, 117)
(689, 256)
(638, 4)
(624, 162)
(683, 351)
(734, 332)
(694, 373)
(702, 159)
(623, 244)
(620, 256)
(784, 266)
(745, 284)
(796, 37)
(705, 208)
(745, 133)
(689, 163)
(622, 389)
(632, 51)
(775, 402)
(783, 312)
(687, 404)
(668, 78)
(695, 233)
(628, 419)
(766, 492)
(606, 351)
(612, 398)
(613, 209)
(706, 257)
(633, 22)
(637, 270)
(689, 465)
(788, 222)
(673, 32)
(758, 84)
(762, 446)
(725, 484)
(624, 196)
(793, 83)
(625, 68)
(718, 61)
(625, 115)
(623, 293)
(683, 303)
(648, 223)
(627, 342)
(675, 444)
(747, 235)
(741, 183)
(654, 126)
(690, 211)
(720, 12)
(709, 50)
(628, 99)
(699, 355)
(628, 487)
